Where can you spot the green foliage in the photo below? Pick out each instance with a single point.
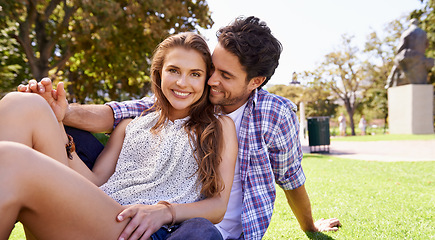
(292, 92)
(101, 48)
(12, 72)
(318, 101)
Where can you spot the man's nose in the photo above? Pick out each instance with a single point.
(213, 80)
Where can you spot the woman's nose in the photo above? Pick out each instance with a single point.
(181, 80)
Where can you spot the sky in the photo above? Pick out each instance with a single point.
(310, 29)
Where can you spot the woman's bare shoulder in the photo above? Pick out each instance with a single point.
(227, 122)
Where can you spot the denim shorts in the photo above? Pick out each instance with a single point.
(192, 229)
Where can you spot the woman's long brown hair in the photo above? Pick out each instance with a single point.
(204, 129)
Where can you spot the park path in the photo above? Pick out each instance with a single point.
(388, 151)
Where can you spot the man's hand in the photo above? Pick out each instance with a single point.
(145, 220)
(326, 225)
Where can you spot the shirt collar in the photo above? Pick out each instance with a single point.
(253, 98)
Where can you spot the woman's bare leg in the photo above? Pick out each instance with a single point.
(50, 199)
(28, 119)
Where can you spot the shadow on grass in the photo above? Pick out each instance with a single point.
(318, 236)
(313, 155)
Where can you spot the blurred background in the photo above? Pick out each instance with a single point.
(336, 59)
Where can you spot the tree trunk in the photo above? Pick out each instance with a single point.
(350, 112)
(39, 71)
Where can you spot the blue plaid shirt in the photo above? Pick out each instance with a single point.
(269, 152)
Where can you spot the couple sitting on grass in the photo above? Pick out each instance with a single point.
(175, 170)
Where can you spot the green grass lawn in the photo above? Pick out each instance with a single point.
(373, 200)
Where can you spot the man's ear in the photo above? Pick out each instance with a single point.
(255, 82)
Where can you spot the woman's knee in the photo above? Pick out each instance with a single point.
(23, 106)
(20, 97)
(23, 101)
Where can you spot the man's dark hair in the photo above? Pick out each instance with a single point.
(253, 43)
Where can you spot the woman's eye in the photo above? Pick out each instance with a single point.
(196, 74)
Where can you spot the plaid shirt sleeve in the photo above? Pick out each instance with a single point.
(282, 139)
(285, 152)
(130, 109)
(269, 149)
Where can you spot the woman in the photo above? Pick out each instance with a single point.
(362, 125)
(175, 157)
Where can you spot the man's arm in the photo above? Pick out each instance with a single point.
(103, 118)
(286, 159)
(299, 202)
(92, 118)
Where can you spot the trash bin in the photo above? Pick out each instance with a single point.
(318, 134)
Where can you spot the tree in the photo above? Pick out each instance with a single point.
(380, 51)
(292, 92)
(100, 44)
(341, 73)
(317, 100)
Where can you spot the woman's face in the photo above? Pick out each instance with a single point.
(183, 80)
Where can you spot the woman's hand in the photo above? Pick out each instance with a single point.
(55, 98)
(33, 87)
(145, 220)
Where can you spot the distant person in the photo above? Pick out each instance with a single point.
(342, 124)
(362, 125)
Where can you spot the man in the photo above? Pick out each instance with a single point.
(245, 58)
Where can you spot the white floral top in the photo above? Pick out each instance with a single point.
(155, 167)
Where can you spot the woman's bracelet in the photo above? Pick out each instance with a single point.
(171, 209)
(70, 147)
